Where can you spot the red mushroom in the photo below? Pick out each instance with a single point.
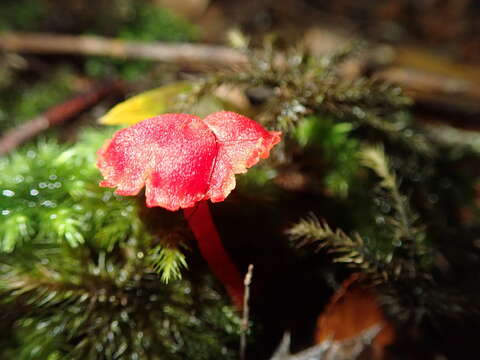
(182, 161)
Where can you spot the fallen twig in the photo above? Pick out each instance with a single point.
(448, 93)
(182, 53)
(246, 312)
(453, 97)
(313, 353)
(328, 349)
(56, 115)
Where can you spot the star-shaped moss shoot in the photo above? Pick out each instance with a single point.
(183, 160)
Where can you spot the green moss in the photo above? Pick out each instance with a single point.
(86, 305)
(20, 15)
(146, 23)
(23, 99)
(153, 23)
(77, 266)
(49, 194)
(339, 150)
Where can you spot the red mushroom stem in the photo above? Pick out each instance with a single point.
(201, 223)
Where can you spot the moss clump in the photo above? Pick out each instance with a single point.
(78, 269)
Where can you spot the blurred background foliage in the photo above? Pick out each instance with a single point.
(30, 86)
(368, 179)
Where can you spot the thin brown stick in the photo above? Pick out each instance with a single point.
(56, 115)
(94, 45)
(456, 99)
(446, 93)
(246, 313)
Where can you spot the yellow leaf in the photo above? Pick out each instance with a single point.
(145, 105)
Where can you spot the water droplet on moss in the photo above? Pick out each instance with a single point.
(380, 220)
(385, 208)
(31, 154)
(48, 203)
(8, 193)
(408, 133)
(358, 112)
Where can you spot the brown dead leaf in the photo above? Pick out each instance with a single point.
(352, 310)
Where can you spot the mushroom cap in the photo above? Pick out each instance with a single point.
(182, 159)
